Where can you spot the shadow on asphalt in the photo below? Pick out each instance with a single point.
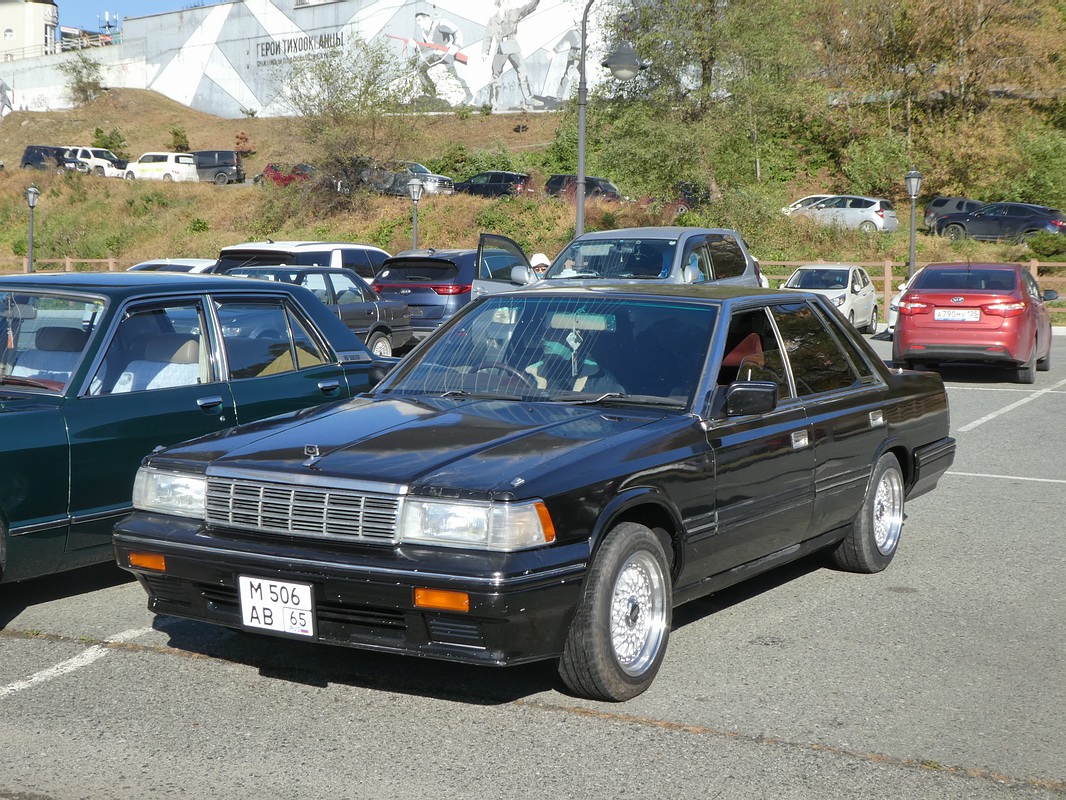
(17, 597)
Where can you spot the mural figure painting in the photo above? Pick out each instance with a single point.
(501, 44)
(439, 41)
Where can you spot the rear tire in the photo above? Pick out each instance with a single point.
(167, 176)
(867, 227)
(871, 328)
(621, 626)
(1027, 372)
(874, 535)
(221, 178)
(378, 344)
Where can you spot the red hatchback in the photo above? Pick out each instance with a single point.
(991, 313)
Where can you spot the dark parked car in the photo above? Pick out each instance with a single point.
(547, 478)
(365, 260)
(987, 313)
(219, 166)
(434, 284)
(496, 184)
(96, 370)
(1001, 221)
(559, 185)
(385, 325)
(40, 156)
(939, 206)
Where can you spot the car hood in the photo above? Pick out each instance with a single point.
(480, 446)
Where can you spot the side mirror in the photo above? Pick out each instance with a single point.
(522, 275)
(1050, 294)
(750, 397)
(691, 275)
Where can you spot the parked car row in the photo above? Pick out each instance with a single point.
(217, 166)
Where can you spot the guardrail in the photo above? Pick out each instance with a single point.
(888, 277)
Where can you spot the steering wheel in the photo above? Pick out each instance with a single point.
(499, 366)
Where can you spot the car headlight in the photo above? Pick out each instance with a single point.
(476, 525)
(169, 492)
(839, 299)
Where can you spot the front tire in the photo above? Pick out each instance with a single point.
(379, 345)
(130, 176)
(874, 536)
(955, 232)
(871, 327)
(98, 172)
(167, 176)
(621, 627)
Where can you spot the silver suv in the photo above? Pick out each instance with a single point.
(867, 214)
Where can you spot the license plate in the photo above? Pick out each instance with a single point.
(957, 314)
(415, 311)
(277, 606)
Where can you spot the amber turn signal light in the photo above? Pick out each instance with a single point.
(152, 561)
(442, 600)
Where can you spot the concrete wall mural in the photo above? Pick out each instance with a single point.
(232, 59)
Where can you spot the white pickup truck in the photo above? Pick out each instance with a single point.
(101, 162)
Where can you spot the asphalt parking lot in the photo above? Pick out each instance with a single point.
(942, 677)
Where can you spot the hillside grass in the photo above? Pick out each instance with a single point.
(84, 217)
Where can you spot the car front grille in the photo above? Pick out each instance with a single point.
(302, 510)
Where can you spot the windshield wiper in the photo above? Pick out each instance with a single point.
(625, 399)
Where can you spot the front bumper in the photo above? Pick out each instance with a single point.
(520, 603)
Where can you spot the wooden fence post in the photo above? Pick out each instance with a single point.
(1033, 267)
(68, 264)
(26, 264)
(111, 264)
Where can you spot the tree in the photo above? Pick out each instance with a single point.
(113, 141)
(350, 100)
(84, 77)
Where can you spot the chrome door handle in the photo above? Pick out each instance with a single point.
(209, 404)
(800, 439)
(328, 387)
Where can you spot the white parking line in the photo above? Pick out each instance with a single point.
(70, 665)
(967, 387)
(1004, 477)
(1011, 407)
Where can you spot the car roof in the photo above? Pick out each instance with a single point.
(671, 291)
(289, 246)
(652, 232)
(828, 265)
(123, 283)
(429, 255)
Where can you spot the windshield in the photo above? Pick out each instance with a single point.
(615, 258)
(965, 279)
(568, 349)
(818, 279)
(417, 168)
(105, 154)
(43, 338)
(250, 258)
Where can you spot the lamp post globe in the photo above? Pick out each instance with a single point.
(33, 194)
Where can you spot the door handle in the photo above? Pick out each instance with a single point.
(209, 405)
(800, 439)
(328, 387)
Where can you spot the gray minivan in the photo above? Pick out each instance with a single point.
(219, 166)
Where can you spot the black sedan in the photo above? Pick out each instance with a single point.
(496, 183)
(1001, 221)
(96, 370)
(385, 325)
(546, 478)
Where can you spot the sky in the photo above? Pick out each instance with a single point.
(89, 14)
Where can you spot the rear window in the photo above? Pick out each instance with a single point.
(228, 261)
(418, 272)
(973, 280)
(887, 205)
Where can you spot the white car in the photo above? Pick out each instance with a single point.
(847, 286)
(804, 202)
(175, 265)
(163, 167)
(854, 212)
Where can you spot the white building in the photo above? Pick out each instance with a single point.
(231, 59)
(28, 28)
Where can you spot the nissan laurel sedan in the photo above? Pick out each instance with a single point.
(97, 370)
(986, 313)
(547, 477)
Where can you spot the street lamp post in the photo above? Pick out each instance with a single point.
(32, 195)
(913, 181)
(624, 65)
(414, 189)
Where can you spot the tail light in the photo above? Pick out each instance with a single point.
(1058, 223)
(910, 308)
(880, 212)
(1015, 309)
(450, 288)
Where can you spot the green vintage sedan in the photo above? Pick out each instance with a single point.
(97, 370)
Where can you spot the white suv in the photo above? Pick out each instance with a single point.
(163, 167)
(102, 163)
